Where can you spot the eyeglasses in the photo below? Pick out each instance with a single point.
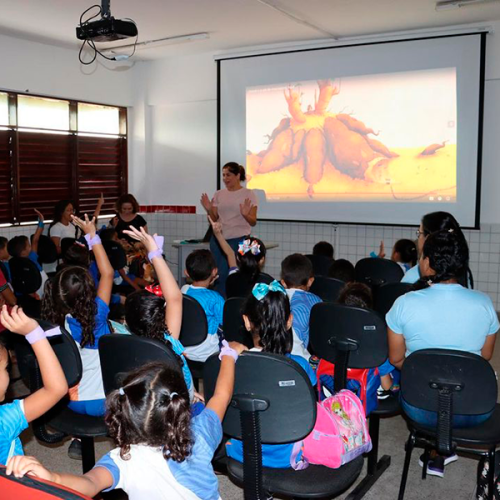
(420, 233)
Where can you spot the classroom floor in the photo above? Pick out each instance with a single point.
(458, 483)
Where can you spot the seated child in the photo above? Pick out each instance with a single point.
(162, 451)
(324, 249)
(268, 318)
(297, 277)
(15, 416)
(201, 269)
(360, 295)
(342, 270)
(248, 261)
(20, 246)
(156, 312)
(404, 253)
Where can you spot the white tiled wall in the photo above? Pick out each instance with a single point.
(351, 242)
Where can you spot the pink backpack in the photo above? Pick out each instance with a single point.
(340, 434)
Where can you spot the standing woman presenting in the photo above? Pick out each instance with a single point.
(126, 216)
(236, 209)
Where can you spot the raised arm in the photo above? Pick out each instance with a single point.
(97, 212)
(217, 228)
(249, 211)
(105, 269)
(54, 381)
(90, 484)
(168, 285)
(38, 232)
(225, 381)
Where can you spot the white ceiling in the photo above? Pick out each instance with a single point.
(232, 24)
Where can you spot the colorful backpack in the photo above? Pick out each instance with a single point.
(340, 433)
(364, 382)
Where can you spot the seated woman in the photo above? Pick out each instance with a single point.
(126, 216)
(442, 314)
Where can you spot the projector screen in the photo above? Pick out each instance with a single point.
(378, 134)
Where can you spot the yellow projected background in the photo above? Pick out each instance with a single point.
(407, 150)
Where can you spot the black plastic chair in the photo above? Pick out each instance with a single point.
(351, 337)
(60, 418)
(47, 251)
(321, 264)
(451, 383)
(327, 289)
(274, 403)
(194, 331)
(26, 279)
(121, 354)
(376, 272)
(232, 322)
(386, 295)
(238, 286)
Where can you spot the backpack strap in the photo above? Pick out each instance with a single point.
(303, 462)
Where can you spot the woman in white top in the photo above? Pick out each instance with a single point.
(236, 209)
(62, 227)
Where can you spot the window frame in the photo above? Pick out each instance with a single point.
(120, 186)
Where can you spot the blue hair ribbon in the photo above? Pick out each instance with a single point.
(260, 290)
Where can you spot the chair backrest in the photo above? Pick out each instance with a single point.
(116, 254)
(386, 295)
(121, 354)
(66, 244)
(65, 349)
(349, 337)
(194, 329)
(47, 251)
(25, 276)
(232, 322)
(29, 487)
(273, 383)
(327, 289)
(237, 285)
(321, 264)
(377, 272)
(470, 377)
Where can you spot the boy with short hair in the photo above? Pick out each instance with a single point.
(202, 270)
(297, 277)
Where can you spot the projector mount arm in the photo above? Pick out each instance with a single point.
(105, 8)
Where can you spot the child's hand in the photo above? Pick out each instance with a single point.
(100, 202)
(239, 348)
(198, 398)
(21, 465)
(87, 226)
(146, 239)
(16, 321)
(40, 215)
(381, 250)
(216, 226)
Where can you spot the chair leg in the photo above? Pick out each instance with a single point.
(426, 462)
(409, 448)
(491, 473)
(88, 454)
(374, 468)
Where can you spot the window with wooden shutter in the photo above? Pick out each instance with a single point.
(6, 209)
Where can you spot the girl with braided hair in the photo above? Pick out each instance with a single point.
(441, 314)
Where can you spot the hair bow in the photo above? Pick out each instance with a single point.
(260, 290)
(249, 246)
(154, 289)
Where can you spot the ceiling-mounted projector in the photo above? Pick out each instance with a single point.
(106, 29)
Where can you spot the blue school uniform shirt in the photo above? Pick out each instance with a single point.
(195, 473)
(444, 316)
(273, 455)
(178, 348)
(212, 303)
(34, 258)
(412, 275)
(12, 423)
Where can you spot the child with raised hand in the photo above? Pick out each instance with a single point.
(156, 312)
(163, 452)
(15, 416)
(248, 261)
(267, 316)
(71, 300)
(404, 253)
